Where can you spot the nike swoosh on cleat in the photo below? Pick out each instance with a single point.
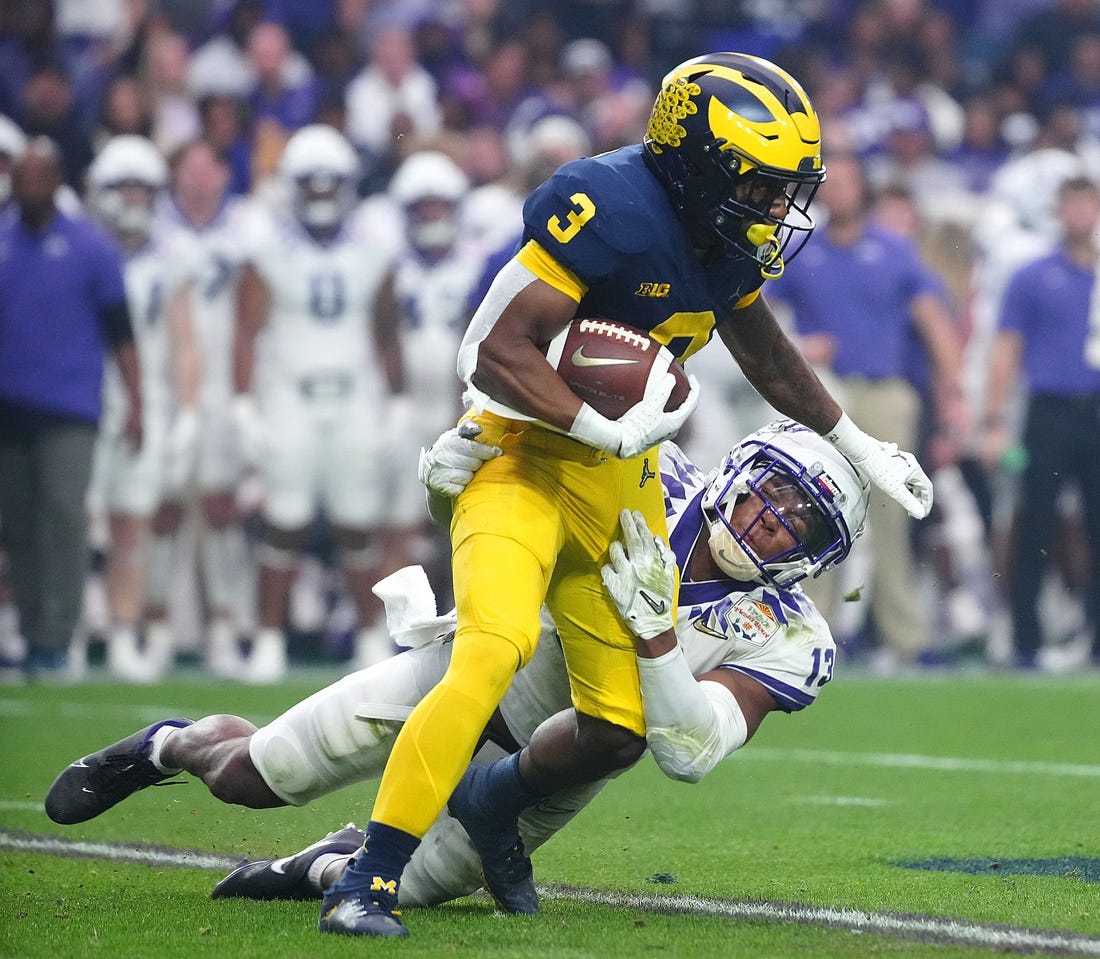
(279, 865)
(80, 764)
(656, 606)
(580, 358)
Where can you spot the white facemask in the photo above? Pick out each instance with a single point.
(435, 235)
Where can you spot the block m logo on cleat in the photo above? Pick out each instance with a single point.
(381, 885)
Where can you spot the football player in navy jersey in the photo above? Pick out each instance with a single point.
(783, 506)
(675, 236)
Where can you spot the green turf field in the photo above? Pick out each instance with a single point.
(998, 774)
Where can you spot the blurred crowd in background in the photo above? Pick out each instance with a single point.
(962, 139)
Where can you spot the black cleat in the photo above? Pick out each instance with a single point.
(359, 914)
(287, 878)
(94, 784)
(505, 865)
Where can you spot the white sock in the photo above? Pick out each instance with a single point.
(320, 864)
(223, 557)
(269, 636)
(124, 634)
(160, 562)
(156, 744)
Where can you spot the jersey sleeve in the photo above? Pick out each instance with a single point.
(581, 218)
(781, 641)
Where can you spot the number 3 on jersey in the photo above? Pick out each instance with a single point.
(327, 297)
(574, 219)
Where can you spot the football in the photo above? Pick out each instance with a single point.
(612, 366)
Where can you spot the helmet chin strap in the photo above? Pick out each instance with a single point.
(730, 556)
(762, 236)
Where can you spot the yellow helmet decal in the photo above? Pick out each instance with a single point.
(673, 104)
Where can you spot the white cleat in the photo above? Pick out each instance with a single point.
(126, 661)
(266, 663)
(223, 655)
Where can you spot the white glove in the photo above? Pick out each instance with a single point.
(182, 440)
(895, 472)
(249, 429)
(641, 427)
(641, 579)
(448, 465)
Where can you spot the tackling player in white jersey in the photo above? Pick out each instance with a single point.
(216, 224)
(313, 418)
(784, 505)
(125, 182)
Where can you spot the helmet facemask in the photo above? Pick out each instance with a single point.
(772, 519)
(763, 211)
(126, 207)
(323, 199)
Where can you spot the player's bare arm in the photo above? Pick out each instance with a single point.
(385, 320)
(252, 305)
(511, 367)
(755, 701)
(775, 367)
(186, 364)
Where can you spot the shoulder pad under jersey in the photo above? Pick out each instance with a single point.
(585, 217)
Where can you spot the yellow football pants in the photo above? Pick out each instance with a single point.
(533, 526)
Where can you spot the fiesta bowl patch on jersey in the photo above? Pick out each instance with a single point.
(612, 366)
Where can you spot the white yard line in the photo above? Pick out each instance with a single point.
(942, 930)
(923, 928)
(118, 852)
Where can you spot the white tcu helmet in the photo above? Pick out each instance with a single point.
(322, 170)
(803, 484)
(425, 176)
(124, 162)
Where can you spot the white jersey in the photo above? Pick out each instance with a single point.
(219, 250)
(153, 275)
(125, 479)
(321, 295)
(433, 301)
(432, 298)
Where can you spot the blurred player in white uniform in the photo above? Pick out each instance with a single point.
(216, 223)
(754, 642)
(432, 281)
(125, 182)
(314, 419)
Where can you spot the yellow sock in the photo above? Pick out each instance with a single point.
(438, 739)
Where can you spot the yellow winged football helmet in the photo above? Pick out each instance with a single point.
(729, 136)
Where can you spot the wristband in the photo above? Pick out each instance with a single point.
(595, 430)
(849, 439)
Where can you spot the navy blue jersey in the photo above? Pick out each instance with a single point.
(608, 220)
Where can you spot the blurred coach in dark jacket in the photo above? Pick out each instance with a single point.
(62, 310)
